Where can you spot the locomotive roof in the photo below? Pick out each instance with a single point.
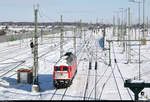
(66, 60)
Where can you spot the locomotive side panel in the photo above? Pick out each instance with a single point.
(74, 68)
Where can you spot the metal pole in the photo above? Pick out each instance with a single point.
(122, 24)
(126, 20)
(95, 77)
(140, 39)
(96, 70)
(61, 37)
(124, 40)
(104, 34)
(139, 20)
(136, 96)
(42, 35)
(129, 28)
(118, 27)
(143, 17)
(35, 67)
(84, 34)
(125, 32)
(74, 41)
(139, 62)
(113, 25)
(147, 25)
(80, 28)
(122, 36)
(109, 54)
(135, 32)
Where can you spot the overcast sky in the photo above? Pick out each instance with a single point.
(72, 10)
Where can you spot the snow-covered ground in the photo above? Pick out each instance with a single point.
(109, 80)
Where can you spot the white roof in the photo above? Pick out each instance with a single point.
(62, 61)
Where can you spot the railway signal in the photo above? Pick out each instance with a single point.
(31, 45)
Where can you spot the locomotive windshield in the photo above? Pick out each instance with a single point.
(57, 68)
(65, 68)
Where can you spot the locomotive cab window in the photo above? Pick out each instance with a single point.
(65, 68)
(57, 69)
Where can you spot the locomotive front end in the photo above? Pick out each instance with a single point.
(61, 77)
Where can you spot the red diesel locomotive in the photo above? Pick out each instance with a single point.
(65, 70)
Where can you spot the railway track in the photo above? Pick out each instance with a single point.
(79, 52)
(64, 94)
(15, 68)
(91, 58)
(86, 44)
(97, 58)
(104, 85)
(87, 83)
(18, 46)
(98, 81)
(115, 60)
(144, 73)
(25, 51)
(59, 94)
(28, 50)
(53, 94)
(41, 55)
(57, 91)
(27, 58)
(12, 70)
(140, 54)
(8, 49)
(116, 83)
(106, 81)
